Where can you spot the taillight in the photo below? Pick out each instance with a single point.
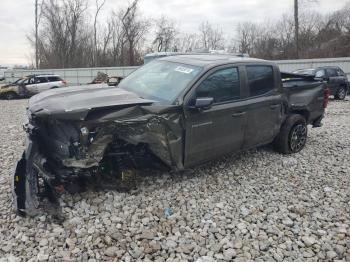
(326, 95)
(64, 82)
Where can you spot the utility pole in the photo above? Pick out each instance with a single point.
(36, 35)
(296, 27)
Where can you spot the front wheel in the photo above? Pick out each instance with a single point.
(10, 95)
(293, 135)
(341, 93)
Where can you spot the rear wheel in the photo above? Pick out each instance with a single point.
(341, 93)
(293, 135)
(10, 95)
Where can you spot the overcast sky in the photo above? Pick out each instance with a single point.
(17, 17)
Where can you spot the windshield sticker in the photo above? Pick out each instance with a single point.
(184, 70)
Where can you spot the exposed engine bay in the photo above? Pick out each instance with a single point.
(115, 142)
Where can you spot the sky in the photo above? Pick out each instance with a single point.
(17, 17)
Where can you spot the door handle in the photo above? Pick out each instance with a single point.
(238, 114)
(274, 106)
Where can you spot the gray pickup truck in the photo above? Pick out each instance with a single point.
(174, 113)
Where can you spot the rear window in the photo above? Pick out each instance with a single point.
(305, 71)
(54, 78)
(40, 80)
(260, 79)
(332, 72)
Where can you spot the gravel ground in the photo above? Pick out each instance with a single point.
(257, 205)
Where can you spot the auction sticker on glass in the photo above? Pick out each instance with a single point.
(183, 69)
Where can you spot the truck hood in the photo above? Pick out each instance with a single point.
(76, 102)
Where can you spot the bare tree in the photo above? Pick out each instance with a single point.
(98, 9)
(187, 42)
(211, 38)
(247, 36)
(134, 29)
(296, 23)
(67, 38)
(165, 35)
(284, 32)
(36, 34)
(38, 9)
(64, 40)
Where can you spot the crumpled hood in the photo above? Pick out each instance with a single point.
(75, 102)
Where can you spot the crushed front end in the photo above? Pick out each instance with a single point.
(62, 154)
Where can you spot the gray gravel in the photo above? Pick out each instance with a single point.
(256, 205)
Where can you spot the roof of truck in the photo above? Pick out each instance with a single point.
(212, 59)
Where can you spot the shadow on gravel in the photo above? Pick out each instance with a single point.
(145, 178)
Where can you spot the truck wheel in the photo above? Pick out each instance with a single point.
(341, 93)
(10, 95)
(292, 136)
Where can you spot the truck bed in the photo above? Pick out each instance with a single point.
(304, 94)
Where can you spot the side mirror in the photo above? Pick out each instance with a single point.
(204, 103)
(113, 81)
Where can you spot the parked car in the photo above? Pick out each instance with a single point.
(175, 112)
(334, 76)
(31, 85)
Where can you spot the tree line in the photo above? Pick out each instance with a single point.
(70, 35)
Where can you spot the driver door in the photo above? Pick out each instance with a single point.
(30, 85)
(42, 84)
(220, 129)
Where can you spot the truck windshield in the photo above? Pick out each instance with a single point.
(160, 80)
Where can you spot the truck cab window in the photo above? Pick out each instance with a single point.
(260, 79)
(332, 72)
(223, 85)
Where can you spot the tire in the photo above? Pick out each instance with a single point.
(293, 135)
(10, 95)
(26, 190)
(32, 203)
(54, 87)
(341, 93)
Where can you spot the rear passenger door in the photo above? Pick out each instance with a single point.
(54, 81)
(264, 105)
(42, 84)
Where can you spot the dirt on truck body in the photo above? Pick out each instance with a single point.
(173, 113)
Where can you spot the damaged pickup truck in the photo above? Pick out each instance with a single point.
(174, 113)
